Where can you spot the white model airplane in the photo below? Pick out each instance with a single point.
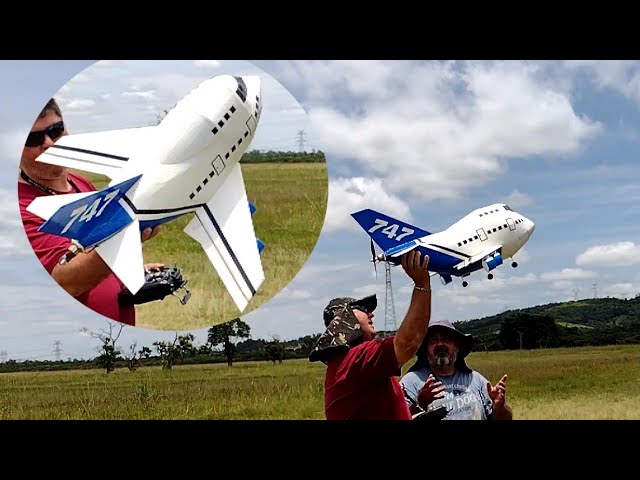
(481, 239)
(187, 163)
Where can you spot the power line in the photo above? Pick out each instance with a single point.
(301, 140)
(57, 350)
(390, 309)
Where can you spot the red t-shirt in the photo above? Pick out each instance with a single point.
(361, 384)
(103, 298)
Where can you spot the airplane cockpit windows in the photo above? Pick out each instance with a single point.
(507, 207)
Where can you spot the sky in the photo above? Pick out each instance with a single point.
(426, 141)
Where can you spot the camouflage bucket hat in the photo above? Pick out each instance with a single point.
(343, 330)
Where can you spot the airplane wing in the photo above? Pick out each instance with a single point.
(477, 257)
(225, 230)
(103, 152)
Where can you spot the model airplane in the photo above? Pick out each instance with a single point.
(187, 163)
(481, 239)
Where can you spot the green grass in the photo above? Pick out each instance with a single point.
(291, 201)
(578, 383)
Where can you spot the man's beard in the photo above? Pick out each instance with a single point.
(443, 358)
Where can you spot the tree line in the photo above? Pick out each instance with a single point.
(606, 321)
(223, 345)
(272, 156)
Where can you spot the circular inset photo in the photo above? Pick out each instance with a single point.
(172, 195)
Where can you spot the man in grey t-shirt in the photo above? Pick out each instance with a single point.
(441, 381)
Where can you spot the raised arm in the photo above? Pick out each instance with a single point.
(413, 328)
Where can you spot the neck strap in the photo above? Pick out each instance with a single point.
(44, 188)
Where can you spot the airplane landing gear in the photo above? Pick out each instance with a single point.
(465, 283)
(514, 264)
(490, 276)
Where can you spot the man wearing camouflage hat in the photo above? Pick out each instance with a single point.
(360, 381)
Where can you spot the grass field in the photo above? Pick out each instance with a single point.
(291, 201)
(579, 383)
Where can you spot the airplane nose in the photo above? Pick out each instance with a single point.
(530, 227)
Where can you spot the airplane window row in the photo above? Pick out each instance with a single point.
(489, 232)
(506, 207)
(490, 211)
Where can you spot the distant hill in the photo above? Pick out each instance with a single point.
(599, 321)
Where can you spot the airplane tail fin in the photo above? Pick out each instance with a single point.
(89, 218)
(388, 232)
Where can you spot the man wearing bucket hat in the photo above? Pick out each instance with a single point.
(360, 381)
(441, 378)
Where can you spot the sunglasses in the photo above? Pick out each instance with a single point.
(35, 139)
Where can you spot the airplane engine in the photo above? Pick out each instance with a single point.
(445, 279)
(489, 263)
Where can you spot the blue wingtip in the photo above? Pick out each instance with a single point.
(252, 208)
(260, 245)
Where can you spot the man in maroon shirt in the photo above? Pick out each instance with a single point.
(361, 378)
(86, 276)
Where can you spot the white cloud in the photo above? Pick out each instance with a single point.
(9, 246)
(349, 195)
(207, 63)
(621, 290)
(296, 293)
(11, 145)
(67, 104)
(365, 291)
(444, 122)
(468, 299)
(527, 279)
(9, 209)
(620, 75)
(82, 77)
(147, 94)
(518, 199)
(523, 256)
(619, 254)
(562, 285)
(569, 274)
(61, 323)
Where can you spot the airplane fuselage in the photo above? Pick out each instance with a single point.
(481, 239)
(479, 231)
(193, 149)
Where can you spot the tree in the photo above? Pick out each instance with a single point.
(171, 352)
(526, 330)
(308, 342)
(108, 351)
(274, 350)
(133, 357)
(223, 334)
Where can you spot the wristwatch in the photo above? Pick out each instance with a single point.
(72, 251)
